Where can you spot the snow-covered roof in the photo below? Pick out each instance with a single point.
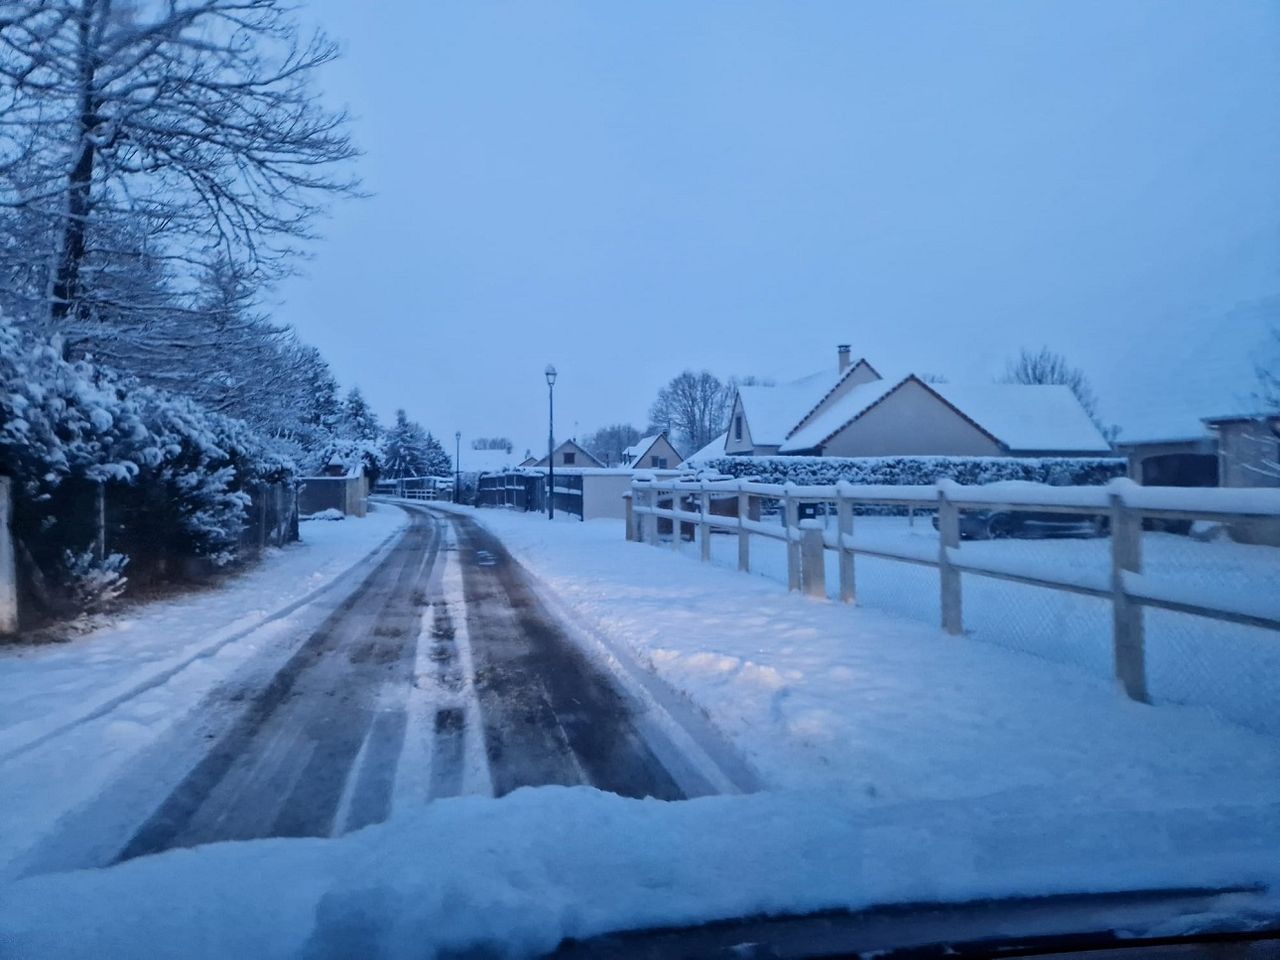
(1027, 417)
(848, 407)
(773, 411)
(640, 447)
(1022, 418)
(712, 450)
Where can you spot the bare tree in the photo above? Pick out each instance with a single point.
(1044, 366)
(607, 443)
(693, 407)
(191, 123)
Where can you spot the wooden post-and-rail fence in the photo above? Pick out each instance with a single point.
(1122, 505)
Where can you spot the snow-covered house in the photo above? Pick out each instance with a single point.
(655, 452)
(571, 454)
(857, 412)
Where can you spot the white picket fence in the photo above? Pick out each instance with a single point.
(1123, 503)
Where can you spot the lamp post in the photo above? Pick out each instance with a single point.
(551, 441)
(457, 465)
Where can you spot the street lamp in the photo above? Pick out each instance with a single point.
(551, 441)
(457, 465)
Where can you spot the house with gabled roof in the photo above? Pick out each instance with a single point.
(652, 453)
(857, 412)
(571, 454)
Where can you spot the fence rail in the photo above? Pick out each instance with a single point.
(1119, 509)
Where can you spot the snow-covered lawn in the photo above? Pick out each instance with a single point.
(1190, 660)
(72, 713)
(898, 764)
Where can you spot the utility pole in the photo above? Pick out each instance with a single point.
(551, 441)
(457, 465)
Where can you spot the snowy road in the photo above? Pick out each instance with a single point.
(443, 673)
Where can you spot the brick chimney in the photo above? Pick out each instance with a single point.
(842, 351)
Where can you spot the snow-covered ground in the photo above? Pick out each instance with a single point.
(87, 706)
(1190, 660)
(898, 764)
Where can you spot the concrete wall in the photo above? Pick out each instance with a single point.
(1248, 453)
(1247, 456)
(911, 421)
(347, 494)
(602, 495)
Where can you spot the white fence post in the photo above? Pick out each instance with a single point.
(948, 576)
(791, 520)
(8, 569)
(744, 537)
(651, 522)
(844, 528)
(1126, 554)
(704, 527)
(675, 524)
(813, 569)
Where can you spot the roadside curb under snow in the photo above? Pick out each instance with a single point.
(122, 693)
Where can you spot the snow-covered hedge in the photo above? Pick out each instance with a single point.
(1059, 471)
(176, 474)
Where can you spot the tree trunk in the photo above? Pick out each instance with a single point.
(66, 284)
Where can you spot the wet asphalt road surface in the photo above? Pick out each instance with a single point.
(316, 744)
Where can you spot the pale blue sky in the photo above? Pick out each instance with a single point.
(628, 189)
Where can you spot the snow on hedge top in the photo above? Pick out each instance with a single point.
(772, 412)
(1027, 417)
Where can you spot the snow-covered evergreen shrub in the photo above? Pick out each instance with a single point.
(1058, 471)
(94, 584)
(177, 477)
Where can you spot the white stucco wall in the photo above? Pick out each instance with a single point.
(602, 495)
(744, 445)
(911, 421)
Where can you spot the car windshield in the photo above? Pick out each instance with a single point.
(667, 479)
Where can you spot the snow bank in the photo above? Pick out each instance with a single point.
(332, 513)
(513, 877)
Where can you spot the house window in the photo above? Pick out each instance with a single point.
(737, 427)
(568, 459)
(657, 461)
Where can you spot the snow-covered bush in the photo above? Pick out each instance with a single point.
(1058, 471)
(94, 584)
(175, 478)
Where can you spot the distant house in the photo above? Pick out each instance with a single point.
(655, 453)
(857, 412)
(570, 454)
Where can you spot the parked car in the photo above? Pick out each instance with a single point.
(999, 524)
